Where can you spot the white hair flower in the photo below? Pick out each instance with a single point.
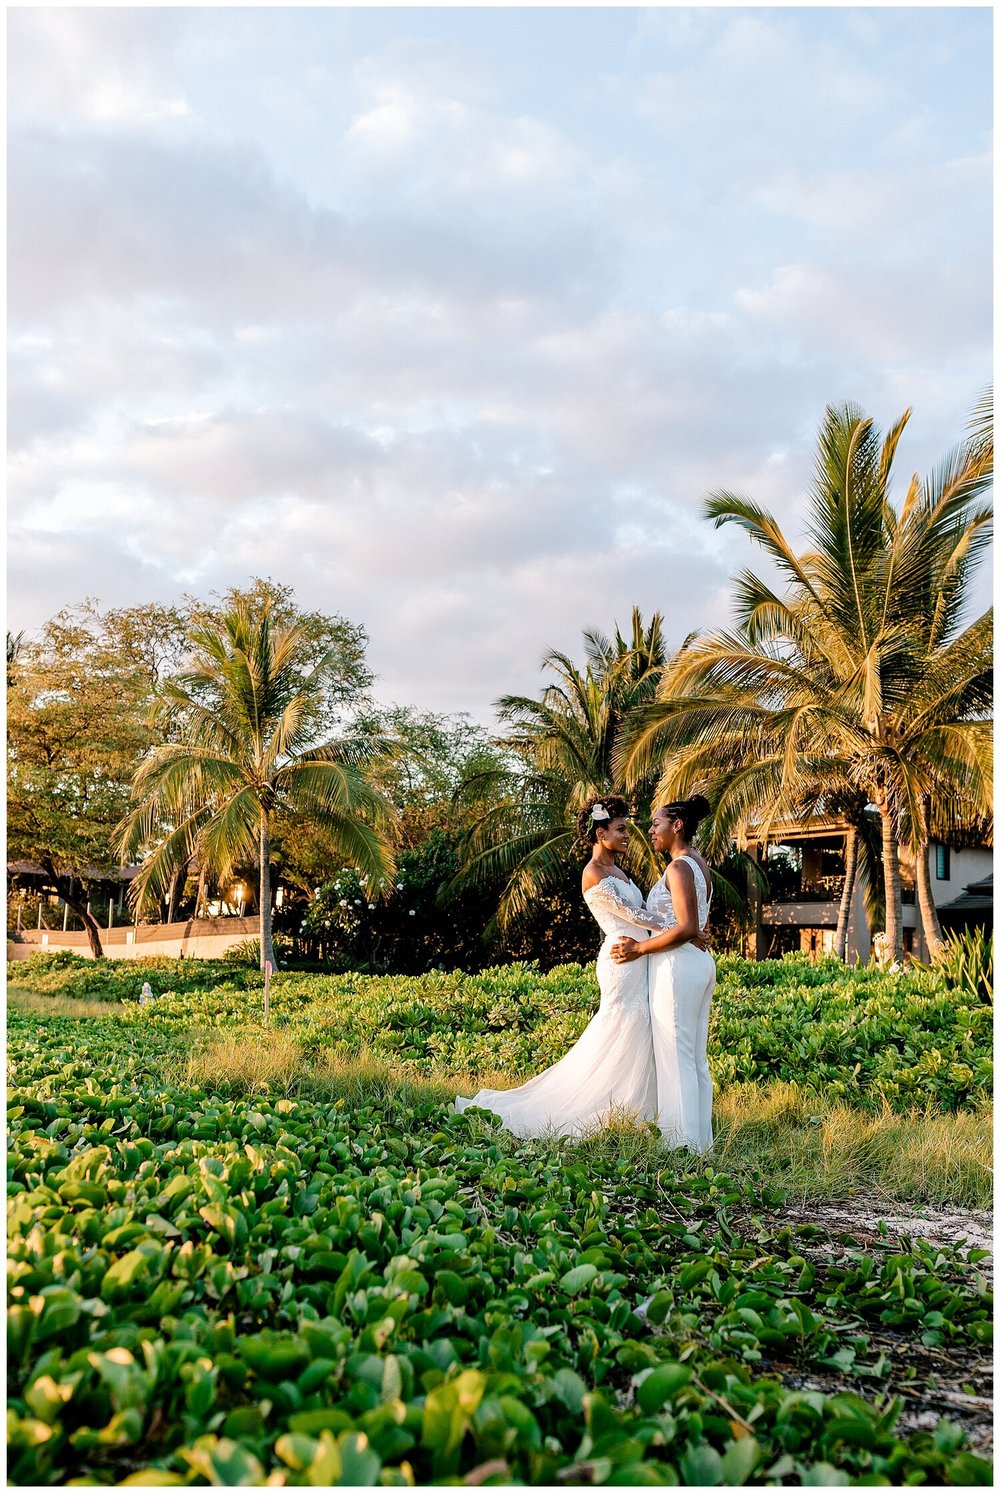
(599, 813)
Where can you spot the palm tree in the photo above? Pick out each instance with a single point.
(841, 680)
(244, 721)
(561, 748)
(942, 532)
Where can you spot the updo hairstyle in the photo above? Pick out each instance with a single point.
(587, 825)
(690, 811)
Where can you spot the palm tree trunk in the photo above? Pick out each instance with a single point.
(174, 894)
(200, 898)
(933, 937)
(893, 888)
(266, 942)
(850, 875)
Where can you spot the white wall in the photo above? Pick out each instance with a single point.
(966, 866)
(201, 938)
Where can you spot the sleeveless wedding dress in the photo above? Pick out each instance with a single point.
(610, 1069)
(681, 985)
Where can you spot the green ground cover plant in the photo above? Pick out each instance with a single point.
(428, 1301)
(871, 1039)
(237, 1279)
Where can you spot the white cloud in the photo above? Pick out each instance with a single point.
(529, 152)
(456, 339)
(747, 78)
(104, 65)
(921, 201)
(390, 125)
(443, 128)
(878, 316)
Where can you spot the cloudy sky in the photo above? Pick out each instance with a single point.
(451, 318)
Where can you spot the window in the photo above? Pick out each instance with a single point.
(942, 862)
(816, 942)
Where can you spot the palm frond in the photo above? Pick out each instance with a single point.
(727, 507)
(231, 835)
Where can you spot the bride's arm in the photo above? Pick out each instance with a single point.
(680, 879)
(606, 893)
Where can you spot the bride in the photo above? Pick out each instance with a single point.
(611, 1069)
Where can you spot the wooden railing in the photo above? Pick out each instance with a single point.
(815, 889)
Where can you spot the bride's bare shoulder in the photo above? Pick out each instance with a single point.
(594, 875)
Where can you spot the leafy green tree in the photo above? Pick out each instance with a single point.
(77, 699)
(427, 756)
(422, 757)
(243, 722)
(560, 750)
(339, 643)
(409, 931)
(347, 677)
(842, 680)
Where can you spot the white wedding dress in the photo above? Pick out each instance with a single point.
(610, 1071)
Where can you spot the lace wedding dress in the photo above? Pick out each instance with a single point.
(610, 1070)
(681, 985)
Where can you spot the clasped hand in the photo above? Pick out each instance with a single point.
(624, 950)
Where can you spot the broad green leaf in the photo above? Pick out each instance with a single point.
(661, 1384)
(739, 1461)
(359, 1463)
(570, 1389)
(701, 1467)
(577, 1279)
(223, 1463)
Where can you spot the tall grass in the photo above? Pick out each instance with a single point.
(32, 1004)
(276, 1062)
(831, 1152)
(813, 1151)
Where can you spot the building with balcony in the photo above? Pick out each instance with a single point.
(803, 865)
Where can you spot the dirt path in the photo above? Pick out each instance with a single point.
(945, 1226)
(956, 1385)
